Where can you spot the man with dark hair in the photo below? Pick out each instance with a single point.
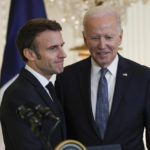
(106, 97)
(40, 44)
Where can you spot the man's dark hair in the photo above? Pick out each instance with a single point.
(28, 32)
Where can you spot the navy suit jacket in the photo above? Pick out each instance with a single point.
(130, 111)
(17, 133)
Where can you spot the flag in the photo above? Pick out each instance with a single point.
(20, 12)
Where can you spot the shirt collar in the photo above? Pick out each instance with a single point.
(44, 81)
(112, 67)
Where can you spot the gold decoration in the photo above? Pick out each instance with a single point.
(83, 51)
(70, 145)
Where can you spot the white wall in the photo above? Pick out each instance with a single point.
(136, 36)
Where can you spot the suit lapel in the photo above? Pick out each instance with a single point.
(122, 83)
(42, 92)
(84, 76)
(84, 83)
(46, 98)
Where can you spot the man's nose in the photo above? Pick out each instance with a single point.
(62, 53)
(101, 43)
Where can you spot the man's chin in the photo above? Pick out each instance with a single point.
(60, 70)
(103, 64)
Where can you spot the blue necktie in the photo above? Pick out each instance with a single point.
(102, 105)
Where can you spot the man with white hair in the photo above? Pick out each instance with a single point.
(106, 97)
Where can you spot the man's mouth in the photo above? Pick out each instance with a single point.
(102, 53)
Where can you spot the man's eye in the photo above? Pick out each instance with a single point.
(62, 45)
(53, 48)
(109, 37)
(94, 38)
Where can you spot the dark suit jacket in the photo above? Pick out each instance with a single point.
(130, 111)
(17, 134)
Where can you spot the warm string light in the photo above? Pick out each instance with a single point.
(73, 10)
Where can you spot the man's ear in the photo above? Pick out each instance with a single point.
(121, 35)
(29, 54)
(85, 42)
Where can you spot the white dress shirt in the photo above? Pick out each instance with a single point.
(111, 80)
(44, 81)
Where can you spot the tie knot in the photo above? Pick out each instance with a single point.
(103, 71)
(49, 86)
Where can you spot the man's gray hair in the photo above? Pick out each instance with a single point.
(100, 11)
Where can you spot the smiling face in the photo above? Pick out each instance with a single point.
(102, 37)
(50, 56)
